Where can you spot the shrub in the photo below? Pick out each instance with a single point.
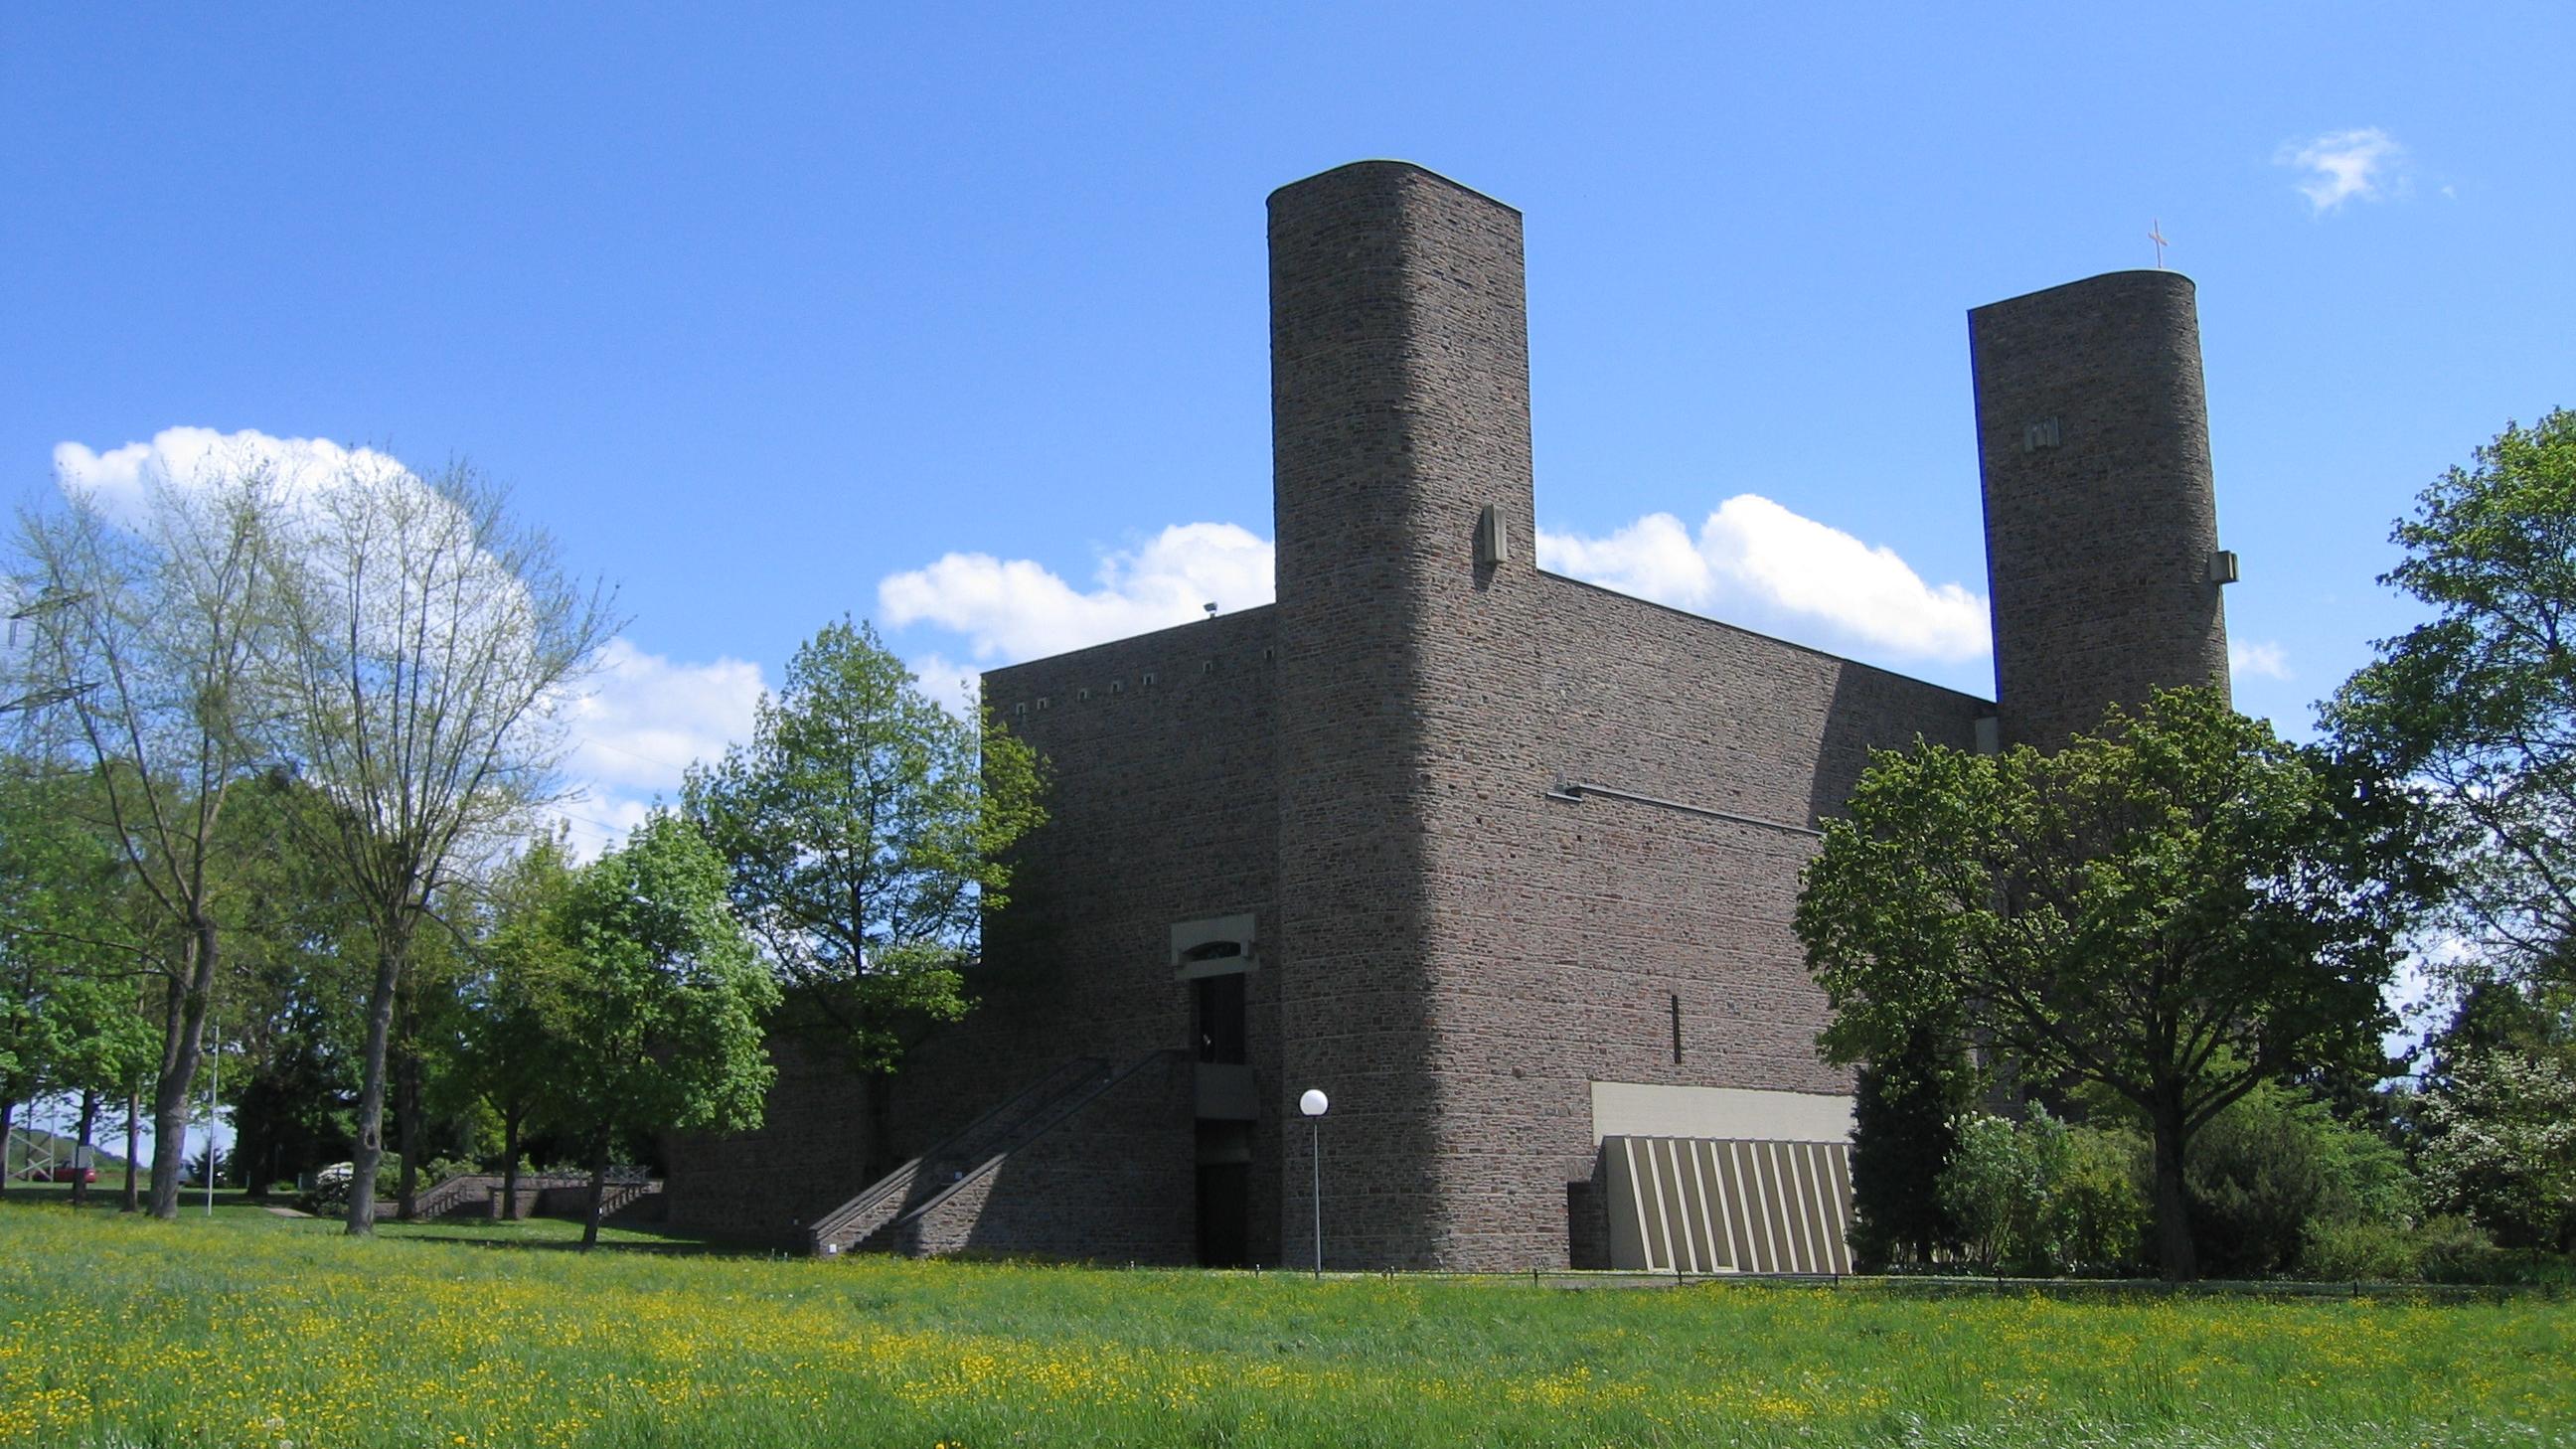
(2500, 1145)
(2366, 1176)
(2036, 1197)
(2101, 1200)
(2270, 1172)
(440, 1169)
(2363, 1252)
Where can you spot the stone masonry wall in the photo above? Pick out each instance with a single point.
(1571, 928)
(1162, 808)
(2093, 441)
(1399, 407)
(809, 1155)
(1466, 954)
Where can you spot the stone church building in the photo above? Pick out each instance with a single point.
(1502, 862)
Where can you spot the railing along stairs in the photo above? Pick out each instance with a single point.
(877, 1216)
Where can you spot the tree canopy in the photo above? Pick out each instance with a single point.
(425, 644)
(654, 1004)
(866, 829)
(2478, 704)
(68, 1018)
(150, 631)
(2177, 908)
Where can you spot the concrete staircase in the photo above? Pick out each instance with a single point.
(890, 1214)
(541, 1194)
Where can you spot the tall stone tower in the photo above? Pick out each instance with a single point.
(2101, 528)
(1400, 417)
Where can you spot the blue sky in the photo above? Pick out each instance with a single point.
(955, 317)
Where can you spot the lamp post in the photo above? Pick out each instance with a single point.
(1313, 1105)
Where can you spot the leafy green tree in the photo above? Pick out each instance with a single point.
(292, 985)
(291, 1112)
(2479, 704)
(2533, 1018)
(655, 1009)
(2177, 909)
(1905, 1113)
(865, 829)
(502, 1052)
(69, 1014)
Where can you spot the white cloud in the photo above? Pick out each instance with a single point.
(1016, 609)
(122, 480)
(642, 720)
(959, 688)
(2365, 164)
(632, 728)
(1753, 562)
(2257, 657)
(1756, 563)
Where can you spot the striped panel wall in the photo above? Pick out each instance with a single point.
(1706, 1205)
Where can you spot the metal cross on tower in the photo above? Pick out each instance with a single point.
(2156, 234)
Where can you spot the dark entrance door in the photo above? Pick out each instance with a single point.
(1219, 1022)
(1225, 1194)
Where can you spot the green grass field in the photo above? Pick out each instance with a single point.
(249, 1329)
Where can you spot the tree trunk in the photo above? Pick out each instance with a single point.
(8, 1113)
(133, 1197)
(407, 1111)
(598, 1190)
(510, 1165)
(2176, 1260)
(371, 1092)
(80, 1151)
(182, 1044)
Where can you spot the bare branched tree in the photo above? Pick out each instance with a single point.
(148, 635)
(429, 646)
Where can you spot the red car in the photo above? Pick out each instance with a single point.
(66, 1173)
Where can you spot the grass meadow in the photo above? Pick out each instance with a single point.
(247, 1329)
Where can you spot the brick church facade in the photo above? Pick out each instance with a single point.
(1501, 861)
